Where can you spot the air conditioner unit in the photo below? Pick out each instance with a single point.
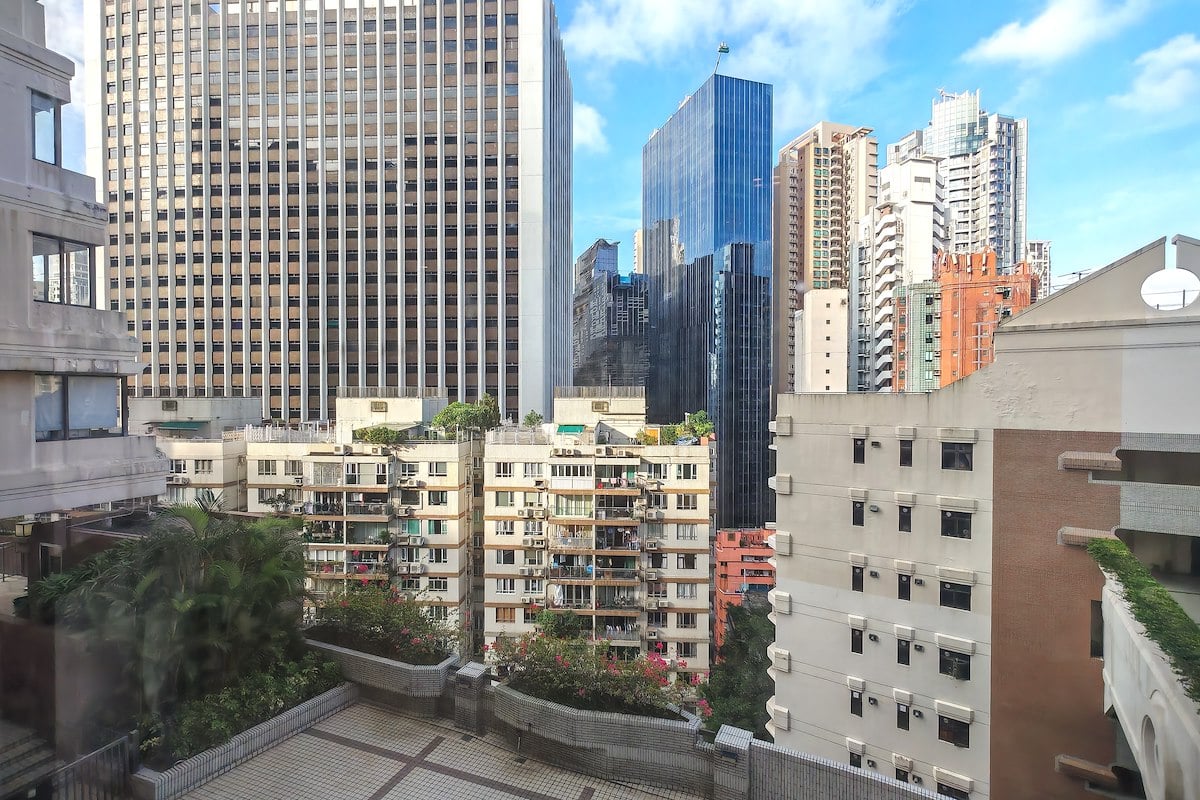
(534, 541)
(376, 450)
(560, 451)
(297, 509)
(920, 648)
(539, 572)
(525, 513)
(652, 634)
(654, 515)
(653, 485)
(525, 571)
(651, 545)
(651, 575)
(416, 540)
(919, 581)
(539, 513)
(653, 604)
(664, 603)
(526, 600)
(539, 484)
(404, 511)
(410, 483)
(299, 480)
(639, 505)
(416, 569)
(402, 569)
(342, 450)
(185, 481)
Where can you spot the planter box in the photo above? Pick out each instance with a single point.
(203, 767)
(409, 686)
(621, 747)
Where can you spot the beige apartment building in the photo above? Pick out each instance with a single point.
(312, 195)
(64, 364)
(826, 180)
(579, 515)
(937, 616)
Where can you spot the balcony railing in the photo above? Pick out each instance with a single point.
(368, 509)
(578, 542)
(612, 574)
(572, 573)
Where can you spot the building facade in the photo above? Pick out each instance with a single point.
(64, 364)
(1037, 256)
(579, 516)
(826, 180)
(820, 342)
(744, 573)
(706, 218)
(958, 518)
(609, 321)
(307, 196)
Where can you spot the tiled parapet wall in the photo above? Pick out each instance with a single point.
(621, 747)
(416, 688)
(777, 773)
(203, 767)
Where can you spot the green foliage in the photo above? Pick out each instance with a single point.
(533, 419)
(581, 674)
(698, 424)
(249, 700)
(380, 434)
(483, 415)
(560, 624)
(1166, 623)
(668, 434)
(383, 623)
(738, 687)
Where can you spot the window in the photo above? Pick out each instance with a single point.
(856, 640)
(957, 455)
(47, 128)
(437, 469)
(76, 407)
(856, 703)
(902, 648)
(178, 466)
(902, 774)
(266, 467)
(202, 466)
(438, 584)
(956, 595)
(506, 556)
(656, 500)
(952, 792)
(905, 521)
(1097, 637)
(955, 731)
(504, 499)
(906, 452)
(439, 498)
(904, 587)
(62, 271)
(506, 615)
(685, 620)
(902, 717)
(506, 585)
(686, 591)
(956, 665)
(857, 509)
(956, 524)
(505, 527)
(685, 472)
(856, 578)
(504, 469)
(856, 760)
(439, 555)
(686, 533)
(685, 561)
(293, 468)
(687, 502)
(533, 469)
(860, 451)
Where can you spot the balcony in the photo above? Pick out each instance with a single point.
(572, 573)
(571, 542)
(376, 511)
(883, 344)
(617, 574)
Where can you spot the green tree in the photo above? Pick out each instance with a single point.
(378, 434)
(483, 415)
(668, 434)
(738, 686)
(533, 419)
(560, 624)
(698, 424)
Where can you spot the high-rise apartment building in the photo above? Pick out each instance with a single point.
(744, 573)
(825, 182)
(706, 217)
(983, 163)
(306, 196)
(1037, 256)
(64, 364)
(579, 516)
(609, 324)
(820, 331)
(967, 639)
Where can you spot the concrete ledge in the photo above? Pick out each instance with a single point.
(203, 767)
(1079, 537)
(406, 686)
(1077, 459)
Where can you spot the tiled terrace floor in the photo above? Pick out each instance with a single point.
(367, 753)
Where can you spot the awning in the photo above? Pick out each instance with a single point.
(179, 425)
(571, 428)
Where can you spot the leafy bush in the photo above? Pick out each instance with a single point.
(698, 424)
(584, 675)
(668, 434)
(533, 419)
(380, 434)
(739, 686)
(251, 699)
(483, 415)
(1166, 623)
(383, 623)
(560, 624)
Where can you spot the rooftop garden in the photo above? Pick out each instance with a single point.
(384, 623)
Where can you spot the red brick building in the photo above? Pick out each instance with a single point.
(742, 567)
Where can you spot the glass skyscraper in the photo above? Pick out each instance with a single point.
(706, 212)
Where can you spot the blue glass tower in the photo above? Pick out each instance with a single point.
(706, 214)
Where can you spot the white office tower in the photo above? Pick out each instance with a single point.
(313, 195)
(983, 164)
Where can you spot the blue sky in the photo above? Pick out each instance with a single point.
(1111, 89)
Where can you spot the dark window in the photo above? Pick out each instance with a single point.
(856, 760)
(856, 640)
(956, 665)
(905, 519)
(856, 513)
(904, 587)
(860, 451)
(956, 595)
(956, 524)
(902, 716)
(1097, 643)
(906, 452)
(856, 703)
(902, 646)
(901, 774)
(950, 791)
(955, 731)
(957, 455)
(856, 578)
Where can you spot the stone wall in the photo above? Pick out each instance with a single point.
(776, 773)
(418, 689)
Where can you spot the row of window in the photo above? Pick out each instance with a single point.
(950, 662)
(77, 407)
(954, 731)
(904, 775)
(954, 524)
(955, 455)
(951, 595)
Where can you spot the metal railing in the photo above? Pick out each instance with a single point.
(100, 775)
(368, 509)
(611, 574)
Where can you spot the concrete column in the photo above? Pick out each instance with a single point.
(731, 764)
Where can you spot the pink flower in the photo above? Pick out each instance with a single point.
(581, 693)
(344, 604)
(416, 641)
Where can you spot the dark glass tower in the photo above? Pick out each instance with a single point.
(706, 211)
(609, 328)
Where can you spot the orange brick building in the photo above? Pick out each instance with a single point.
(974, 300)
(742, 568)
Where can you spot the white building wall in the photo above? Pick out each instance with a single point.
(822, 346)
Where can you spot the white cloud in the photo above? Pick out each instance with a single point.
(1064, 28)
(588, 128)
(1168, 83)
(811, 56)
(64, 34)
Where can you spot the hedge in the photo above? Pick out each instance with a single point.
(1165, 621)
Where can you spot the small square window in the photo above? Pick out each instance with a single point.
(856, 760)
(955, 731)
(906, 452)
(956, 524)
(956, 595)
(957, 455)
(956, 665)
(952, 792)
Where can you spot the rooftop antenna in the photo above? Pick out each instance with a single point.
(722, 49)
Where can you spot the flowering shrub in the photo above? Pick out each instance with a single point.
(383, 623)
(588, 676)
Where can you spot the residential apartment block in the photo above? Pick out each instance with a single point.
(579, 516)
(306, 196)
(1037, 256)
(820, 341)
(744, 573)
(610, 323)
(64, 364)
(938, 618)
